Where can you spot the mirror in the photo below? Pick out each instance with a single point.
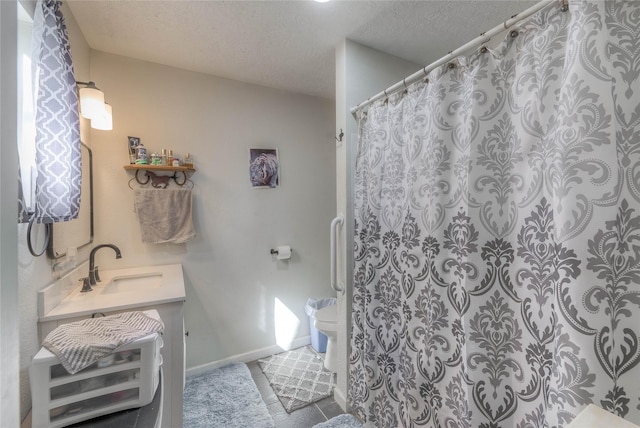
(76, 233)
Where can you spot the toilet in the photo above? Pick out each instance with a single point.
(326, 321)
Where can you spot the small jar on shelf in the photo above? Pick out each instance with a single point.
(187, 161)
(155, 159)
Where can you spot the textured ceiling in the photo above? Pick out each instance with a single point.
(282, 44)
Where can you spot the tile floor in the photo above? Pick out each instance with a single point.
(305, 417)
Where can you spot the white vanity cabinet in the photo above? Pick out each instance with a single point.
(170, 309)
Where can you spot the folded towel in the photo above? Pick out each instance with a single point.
(80, 344)
(164, 215)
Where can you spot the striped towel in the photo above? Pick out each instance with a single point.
(80, 344)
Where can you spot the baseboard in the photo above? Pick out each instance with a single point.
(246, 357)
(26, 422)
(341, 398)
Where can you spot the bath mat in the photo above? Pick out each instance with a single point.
(298, 377)
(341, 421)
(226, 397)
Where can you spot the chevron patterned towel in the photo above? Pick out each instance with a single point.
(80, 344)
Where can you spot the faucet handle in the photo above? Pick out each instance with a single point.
(96, 275)
(85, 285)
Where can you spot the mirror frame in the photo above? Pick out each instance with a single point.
(51, 253)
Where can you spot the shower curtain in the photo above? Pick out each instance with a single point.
(497, 232)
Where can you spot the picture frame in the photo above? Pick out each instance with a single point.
(134, 142)
(264, 168)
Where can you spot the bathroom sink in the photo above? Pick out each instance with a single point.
(133, 283)
(119, 289)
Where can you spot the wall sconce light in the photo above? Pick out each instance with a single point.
(92, 106)
(104, 121)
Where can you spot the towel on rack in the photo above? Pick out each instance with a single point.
(80, 344)
(164, 215)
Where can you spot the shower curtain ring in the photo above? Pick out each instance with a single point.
(564, 5)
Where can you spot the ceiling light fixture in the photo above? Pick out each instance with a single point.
(321, 1)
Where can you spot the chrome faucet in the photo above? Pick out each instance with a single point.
(93, 269)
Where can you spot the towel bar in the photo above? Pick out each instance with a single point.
(161, 181)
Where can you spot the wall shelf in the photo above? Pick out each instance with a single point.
(160, 182)
(135, 167)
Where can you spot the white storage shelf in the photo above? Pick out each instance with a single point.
(125, 379)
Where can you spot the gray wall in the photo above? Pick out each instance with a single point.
(8, 212)
(232, 281)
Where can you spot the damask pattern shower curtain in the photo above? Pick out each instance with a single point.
(497, 232)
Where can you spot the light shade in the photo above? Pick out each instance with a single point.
(91, 101)
(104, 121)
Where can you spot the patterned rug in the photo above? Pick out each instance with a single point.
(298, 377)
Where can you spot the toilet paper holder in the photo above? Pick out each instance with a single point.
(275, 251)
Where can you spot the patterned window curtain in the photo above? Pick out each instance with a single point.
(58, 154)
(497, 233)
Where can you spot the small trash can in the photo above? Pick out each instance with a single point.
(318, 339)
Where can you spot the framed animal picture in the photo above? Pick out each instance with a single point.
(134, 142)
(264, 168)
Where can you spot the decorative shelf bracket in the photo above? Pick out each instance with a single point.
(160, 181)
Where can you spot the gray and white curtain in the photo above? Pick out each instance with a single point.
(57, 144)
(497, 232)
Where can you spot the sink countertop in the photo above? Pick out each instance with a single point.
(76, 303)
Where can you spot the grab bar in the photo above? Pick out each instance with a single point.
(338, 221)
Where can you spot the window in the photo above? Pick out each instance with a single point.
(26, 112)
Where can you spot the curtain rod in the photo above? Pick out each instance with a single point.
(478, 41)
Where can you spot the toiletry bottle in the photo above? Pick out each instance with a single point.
(141, 154)
(170, 158)
(187, 160)
(155, 159)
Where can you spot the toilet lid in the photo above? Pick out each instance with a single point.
(327, 314)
